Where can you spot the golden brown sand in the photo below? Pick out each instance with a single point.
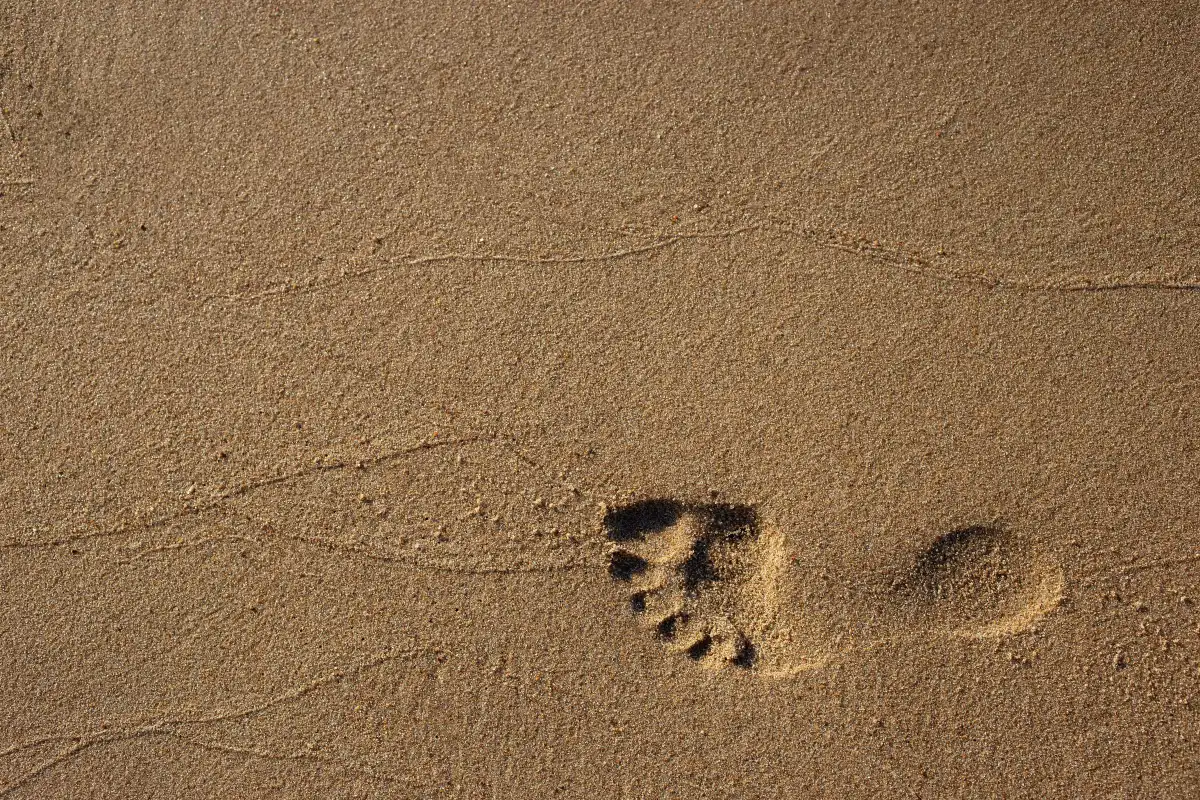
(599, 401)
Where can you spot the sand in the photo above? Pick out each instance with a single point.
(599, 401)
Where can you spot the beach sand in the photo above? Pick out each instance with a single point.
(599, 401)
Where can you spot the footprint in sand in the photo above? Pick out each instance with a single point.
(711, 583)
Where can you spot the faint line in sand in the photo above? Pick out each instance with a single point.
(873, 249)
(573, 560)
(317, 284)
(11, 133)
(343, 765)
(1126, 570)
(243, 489)
(176, 726)
(921, 265)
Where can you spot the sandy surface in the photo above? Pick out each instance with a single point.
(599, 402)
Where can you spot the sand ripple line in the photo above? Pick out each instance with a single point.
(315, 284)
(178, 726)
(878, 251)
(249, 487)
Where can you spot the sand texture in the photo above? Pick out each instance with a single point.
(599, 401)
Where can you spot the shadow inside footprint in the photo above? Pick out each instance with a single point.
(731, 519)
(979, 579)
(698, 569)
(965, 561)
(687, 568)
(623, 565)
(937, 567)
(635, 522)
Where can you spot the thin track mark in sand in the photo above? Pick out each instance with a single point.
(317, 284)
(347, 766)
(1125, 570)
(421, 564)
(859, 245)
(446, 566)
(249, 487)
(269, 535)
(176, 726)
(920, 265)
